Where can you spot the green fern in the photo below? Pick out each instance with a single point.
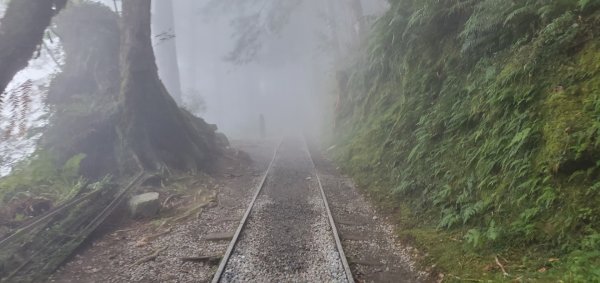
(482, 116)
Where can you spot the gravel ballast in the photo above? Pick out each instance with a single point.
(374, 252)
(287, 236)
(146, 251)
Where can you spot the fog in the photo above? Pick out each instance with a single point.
(227, 61)
(285, 64)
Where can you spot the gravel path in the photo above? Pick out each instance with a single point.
(112, 256)
(374, 252)
(287, 236)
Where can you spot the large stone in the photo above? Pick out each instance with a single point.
(144, 205)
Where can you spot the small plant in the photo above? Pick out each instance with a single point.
(40, 179)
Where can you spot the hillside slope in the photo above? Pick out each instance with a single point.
(478, 121)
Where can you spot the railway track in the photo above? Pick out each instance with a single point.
(287, 232)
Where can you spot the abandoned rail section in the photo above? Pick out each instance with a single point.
(287, 232)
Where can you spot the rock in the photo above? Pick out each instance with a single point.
(144, 205)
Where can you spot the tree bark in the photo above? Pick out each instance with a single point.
(152, 126)
(21, 31)
(166, 48)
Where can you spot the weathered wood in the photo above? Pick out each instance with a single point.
(226, 236)
(150, 257)
(349, 222)
(233, 219)
(206, 259)
(367, 262)
(353, 237)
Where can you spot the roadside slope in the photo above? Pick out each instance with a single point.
(478, 122)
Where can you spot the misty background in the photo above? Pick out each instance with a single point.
(235, 61)
(288, 79)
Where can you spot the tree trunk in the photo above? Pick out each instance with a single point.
(152, 126)
(166, 47)
(21, 31)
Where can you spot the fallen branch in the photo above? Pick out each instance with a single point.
(152, 237)
(150, 257)
(169, 198)
(145, 240)
(195, 210)
(501, 266)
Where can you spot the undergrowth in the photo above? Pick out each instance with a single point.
(481, 120)
(40, 177)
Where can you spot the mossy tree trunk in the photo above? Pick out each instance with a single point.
(152, 127)
(21, 31)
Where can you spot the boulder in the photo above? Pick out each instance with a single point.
(144, 205)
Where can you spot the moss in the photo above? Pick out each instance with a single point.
(569, 111)
(565, 116)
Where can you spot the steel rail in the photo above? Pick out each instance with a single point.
(236, 236)
(232, 244)
(338, 242)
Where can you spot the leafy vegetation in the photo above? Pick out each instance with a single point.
(480, 119)
(34, 251)
(39, 179)
(42, 171)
